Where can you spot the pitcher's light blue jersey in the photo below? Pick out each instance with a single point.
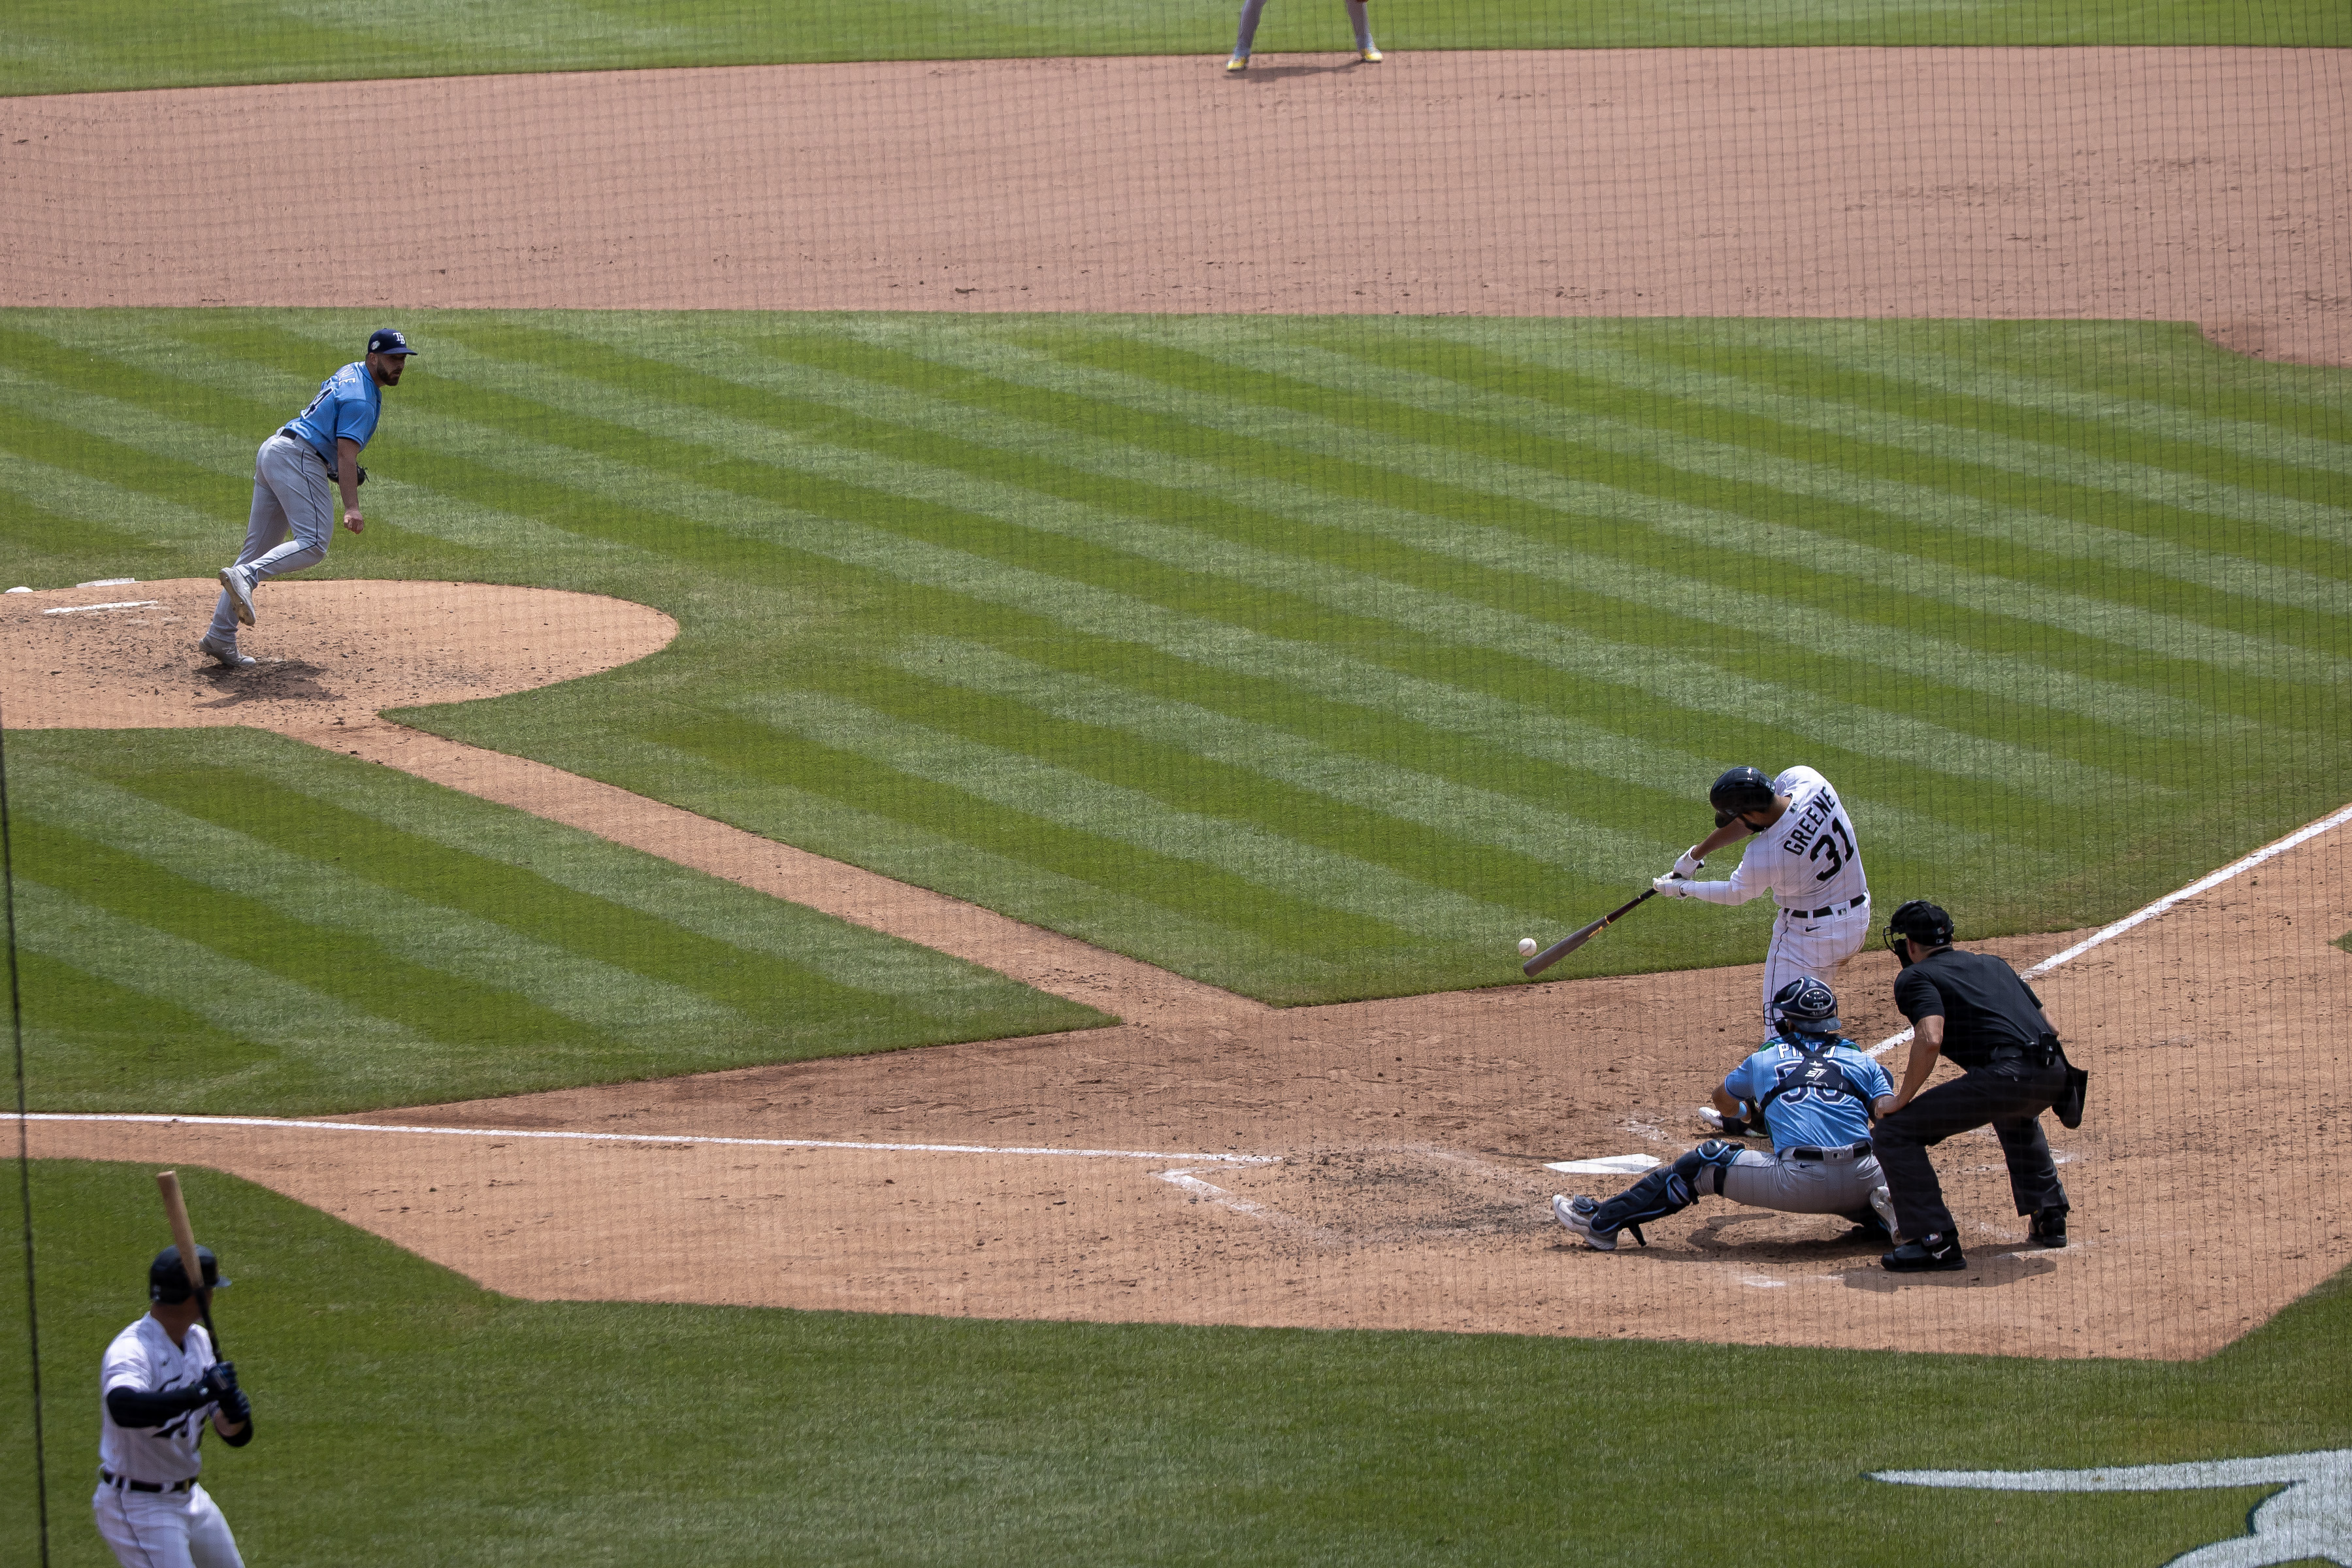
(1801, 1117)
(347, 406)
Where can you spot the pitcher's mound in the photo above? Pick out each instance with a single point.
(124, 657)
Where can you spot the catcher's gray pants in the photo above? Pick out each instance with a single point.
(292, 494)
(1845, 1182)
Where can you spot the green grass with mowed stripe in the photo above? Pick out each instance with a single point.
(231, 921)
(400, 1413)
(1323, 659)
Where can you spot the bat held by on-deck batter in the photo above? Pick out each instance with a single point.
(183, 1236)
(1582, 934)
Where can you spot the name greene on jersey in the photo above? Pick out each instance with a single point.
(1809, 858)
(1820, 829)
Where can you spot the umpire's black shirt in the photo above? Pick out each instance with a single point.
(1984, 1004)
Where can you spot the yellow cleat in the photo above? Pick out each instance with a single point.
(1238, 63)
(1372, 58)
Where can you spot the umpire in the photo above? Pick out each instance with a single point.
(1971, 1007)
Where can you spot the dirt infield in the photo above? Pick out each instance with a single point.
(2192, 185)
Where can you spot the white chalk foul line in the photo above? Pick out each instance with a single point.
(2139, 917)
(647, 1138)
(118, 604)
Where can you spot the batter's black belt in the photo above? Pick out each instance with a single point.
(1827, 909)
(1807, 1151)
(108, 1477)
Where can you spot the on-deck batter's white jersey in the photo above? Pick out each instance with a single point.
(143, 1357)
(1807, 860)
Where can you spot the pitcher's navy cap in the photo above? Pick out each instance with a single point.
(384, 341)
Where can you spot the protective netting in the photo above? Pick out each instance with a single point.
(975, 640)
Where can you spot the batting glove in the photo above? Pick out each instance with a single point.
(1689, 864)
(1672, 887)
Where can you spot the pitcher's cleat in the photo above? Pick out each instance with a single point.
(224, 654)
(1372, 57)
(1237, 64)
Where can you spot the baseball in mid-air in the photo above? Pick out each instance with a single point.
(1527, 947)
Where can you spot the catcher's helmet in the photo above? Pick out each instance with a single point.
(167, 1282)
(1805, 1007)
(1742, 789)
(1921, 922)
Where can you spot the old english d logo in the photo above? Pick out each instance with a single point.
(2310, 1519)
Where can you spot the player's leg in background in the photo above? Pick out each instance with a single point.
(1246, 36)
(210, 1545)
(1360, 18)
(307, 497)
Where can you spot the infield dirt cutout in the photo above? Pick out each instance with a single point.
(1375, 1164)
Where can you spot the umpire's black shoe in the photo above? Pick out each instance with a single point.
(2048, 1228)
(1931, 1252)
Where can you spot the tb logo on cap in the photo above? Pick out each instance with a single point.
(384, 341)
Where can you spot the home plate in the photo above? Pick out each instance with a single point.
(1607, 1165)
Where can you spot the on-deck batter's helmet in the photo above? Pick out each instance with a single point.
(1923, 922)
(1805, 1007)
(167, 1282)
(1742, 789)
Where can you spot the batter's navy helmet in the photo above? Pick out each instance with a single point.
(167, 1282)
(1923, 922)
(1805, 1007)
(1742, 789)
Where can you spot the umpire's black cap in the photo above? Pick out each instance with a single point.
(167, 1281)
(1923, 922)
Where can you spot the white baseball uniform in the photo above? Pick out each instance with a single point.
(1811, 863)
(175, 1524)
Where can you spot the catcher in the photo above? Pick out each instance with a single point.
(1814, 1094)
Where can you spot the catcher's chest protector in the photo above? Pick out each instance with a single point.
(1817, 1072)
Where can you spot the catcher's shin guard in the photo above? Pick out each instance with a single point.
(1669, 1189)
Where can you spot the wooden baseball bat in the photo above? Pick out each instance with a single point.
(1582, 934)
(183, 1236)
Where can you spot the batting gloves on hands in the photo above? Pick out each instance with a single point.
(1689, 864)
(220, 1382)
(1672, 887)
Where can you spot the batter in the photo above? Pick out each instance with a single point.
(295, 475)
(1805, 855)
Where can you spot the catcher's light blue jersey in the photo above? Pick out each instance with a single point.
(347, 406)
(1801, 1117)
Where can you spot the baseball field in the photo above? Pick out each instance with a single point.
(874, 920)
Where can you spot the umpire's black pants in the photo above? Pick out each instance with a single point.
(2011, 1096)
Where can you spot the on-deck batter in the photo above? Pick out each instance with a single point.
(160, 1388)
(292, 476)
(1805, 855)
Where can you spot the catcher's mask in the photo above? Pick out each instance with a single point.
(1805, 1007)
